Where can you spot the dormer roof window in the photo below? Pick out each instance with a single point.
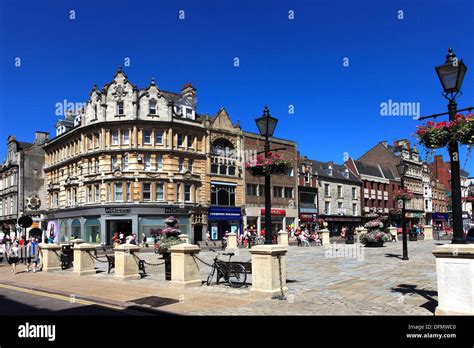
(329, 170)
(345, 173)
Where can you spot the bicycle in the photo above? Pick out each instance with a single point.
(233, 272)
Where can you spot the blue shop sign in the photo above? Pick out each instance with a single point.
(440, 216)
(218, 213)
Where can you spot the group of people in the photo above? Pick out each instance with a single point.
(119, 238)
(304, 237)
(21, 250)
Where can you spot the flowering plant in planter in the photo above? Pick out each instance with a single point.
(170, 235)
(375, 237)
(272, 164)
(403, 194)
(433, 135)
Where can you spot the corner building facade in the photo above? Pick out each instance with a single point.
(126, 161)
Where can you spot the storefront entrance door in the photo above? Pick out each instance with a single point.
(120, 226)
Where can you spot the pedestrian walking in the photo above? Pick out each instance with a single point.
(11, 250)
(33, 254)
(144, 245)
(22, 248)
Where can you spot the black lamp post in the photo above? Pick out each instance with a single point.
(266, 126)
(451, 74)
(402, 170)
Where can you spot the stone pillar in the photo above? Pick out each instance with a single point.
(126, 261)
(455, 273)
(428, 232)
(83, 261)
(231, 242)
(183, 237)
(325, 236)
(184, 268)
(360, 231)
(266, 263)
(283, 238)
(50, 257)
(393, 231)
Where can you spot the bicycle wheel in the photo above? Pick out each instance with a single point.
(211, 275)
(237, 275)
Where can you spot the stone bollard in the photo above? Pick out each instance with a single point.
(50, 257)
(325, 236)
(231, 242)
(83, 261)
(126, 262)
(283, 238)
(268, 262)
(428, 232)
(454, 270)
(185, 271)
(183, 237)
(393, 232)
(362, 230)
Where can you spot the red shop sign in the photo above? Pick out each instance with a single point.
(279, 212)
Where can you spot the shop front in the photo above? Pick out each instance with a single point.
(97, 225)
(440, 221)
(335, 223)
(309, 219)
(222, 220)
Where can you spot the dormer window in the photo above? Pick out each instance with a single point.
(120, 109)
(189, 113)
(77, 120)
(329, 170)
(346, 173)
(152, 108)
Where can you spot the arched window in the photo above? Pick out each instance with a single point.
(76, 229)
(223, 157)
(92, 231)
(64, 231)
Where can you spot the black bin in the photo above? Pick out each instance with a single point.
(413, 236)
(350, 238)
(167, 257)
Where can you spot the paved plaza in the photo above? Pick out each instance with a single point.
(341, 280)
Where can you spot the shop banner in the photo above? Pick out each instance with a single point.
(277, 212)
(230, 213)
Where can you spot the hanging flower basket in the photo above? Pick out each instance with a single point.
(272, 164)
(462, 128)
(433, 135)
(403, 195)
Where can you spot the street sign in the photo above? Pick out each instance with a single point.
(25, 221)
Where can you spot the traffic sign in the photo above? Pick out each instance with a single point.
(25, 221)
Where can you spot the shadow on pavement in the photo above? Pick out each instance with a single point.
(427, 294)
(394, 255)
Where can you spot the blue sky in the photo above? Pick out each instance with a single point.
(283, 62)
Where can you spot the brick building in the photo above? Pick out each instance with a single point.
(284, 194)
(378, 185)
(307, 193)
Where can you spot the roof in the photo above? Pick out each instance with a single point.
(24, 145)
(368, 169)
(337, 169)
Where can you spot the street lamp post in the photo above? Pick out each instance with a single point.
(266, 126)
(451, 75)
(401, 170)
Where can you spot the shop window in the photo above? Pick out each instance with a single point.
(76, 229)
(64, 231)
(92, 231)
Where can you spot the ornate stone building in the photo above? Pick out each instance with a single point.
(389, 156)
(134, 156)
(22, 189)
